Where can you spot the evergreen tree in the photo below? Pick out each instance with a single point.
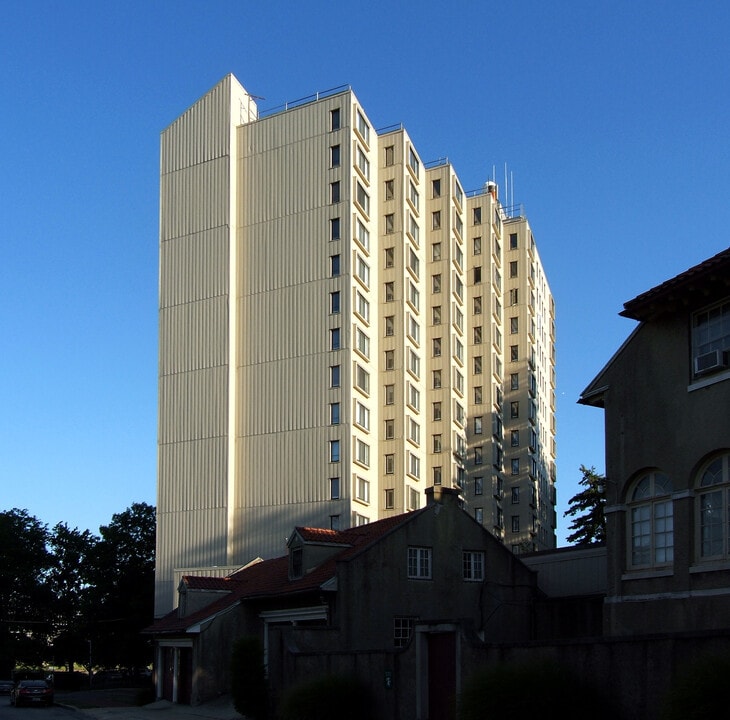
(586, 509)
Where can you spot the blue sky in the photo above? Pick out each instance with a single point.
(610, 116)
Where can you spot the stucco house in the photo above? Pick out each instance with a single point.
(666, 398)
(404, 601)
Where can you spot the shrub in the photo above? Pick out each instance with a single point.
(248, 678)
(328, 698)
(540, 689)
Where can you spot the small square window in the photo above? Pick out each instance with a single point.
(436, 220)
(473, 566)
(335, 229)
(335, 119)
(477, 246)
(436, 188)
(389, 155)
(389, 499)
(389, 429)
(334, 413)
(389, 394)
(335, 302)
(334, 265)
(335, 376)
(334, 488)
(389, 325)
(335, 192)
(335, 339)
(389, 359)
(389, 192)
(334, 451)
(389, 464)
(419, 563)
(513, 241)
(513, 269)
(477, 216)
(389, 223)
(437, 411)
(436, 347)
(335, 156)
(389, 257)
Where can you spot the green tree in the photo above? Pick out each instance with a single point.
(69, 579)
(25, 597)
(121, 593)
(586, 509)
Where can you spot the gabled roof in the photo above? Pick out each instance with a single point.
(705, 282)
(698, 286)
(270, 578)
(195, 582)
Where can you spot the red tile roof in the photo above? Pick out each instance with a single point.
(197, 582)
(270, 578)
(672, 294)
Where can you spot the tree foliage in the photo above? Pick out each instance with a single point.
(66, 593)
(121, 592)
(25, 600)
(586, 508)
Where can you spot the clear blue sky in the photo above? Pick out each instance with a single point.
(612, 118)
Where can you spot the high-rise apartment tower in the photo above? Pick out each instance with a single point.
(341, 326)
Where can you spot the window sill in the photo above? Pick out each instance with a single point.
(647, 574)
(709, 380)
(709, 566)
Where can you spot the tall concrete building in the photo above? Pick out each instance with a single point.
(338, 324)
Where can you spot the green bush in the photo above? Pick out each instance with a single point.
(700, 692)
(248, 678)
(328, 698)
(539, 689)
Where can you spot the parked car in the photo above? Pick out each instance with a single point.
(32, 692)
(6, 687)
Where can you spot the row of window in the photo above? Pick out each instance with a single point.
(651, 516)
(420, 564)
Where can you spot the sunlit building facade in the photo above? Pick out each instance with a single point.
(335, 336)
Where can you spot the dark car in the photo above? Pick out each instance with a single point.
(6, 687)
(32, 692)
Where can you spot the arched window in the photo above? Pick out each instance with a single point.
(713, 497)
(652, 522)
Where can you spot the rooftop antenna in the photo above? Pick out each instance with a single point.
(506, 184)
(512, 190)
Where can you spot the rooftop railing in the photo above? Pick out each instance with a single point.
(290, 105)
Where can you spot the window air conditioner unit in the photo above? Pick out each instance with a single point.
(707, 362)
